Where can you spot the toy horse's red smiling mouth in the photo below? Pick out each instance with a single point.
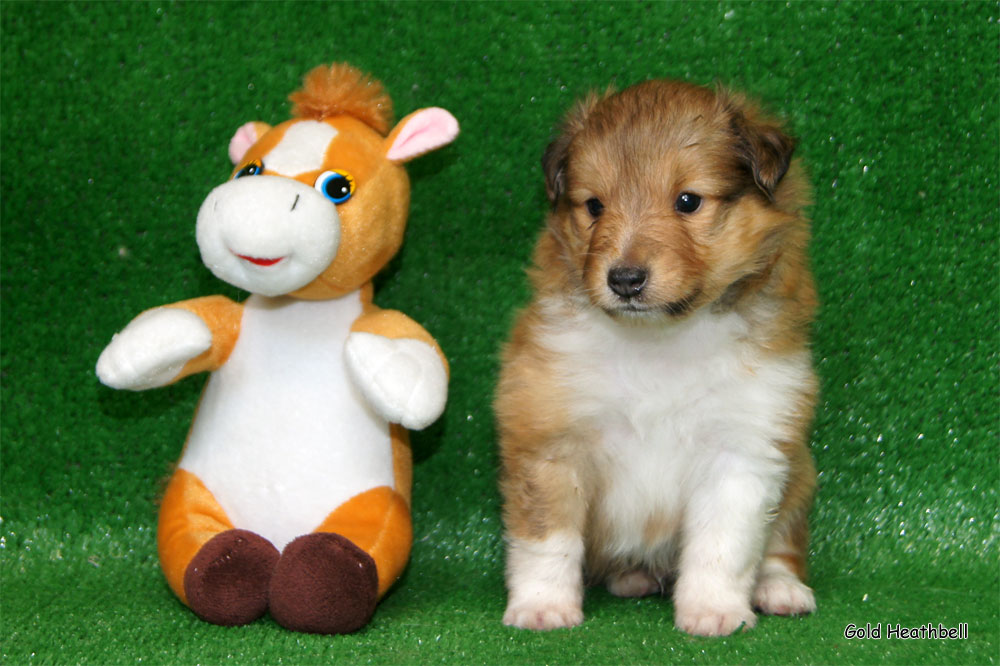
(259, 261)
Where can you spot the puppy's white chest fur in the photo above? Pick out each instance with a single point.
(668, 410)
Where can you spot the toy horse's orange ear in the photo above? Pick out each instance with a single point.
(420, 132)
(245, 137)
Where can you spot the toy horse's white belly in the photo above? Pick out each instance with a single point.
(282, 437)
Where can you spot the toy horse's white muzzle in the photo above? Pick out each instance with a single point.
(267, 234)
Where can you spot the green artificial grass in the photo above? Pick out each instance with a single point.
(114, 121)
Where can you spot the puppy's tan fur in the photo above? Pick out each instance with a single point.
(597, 385)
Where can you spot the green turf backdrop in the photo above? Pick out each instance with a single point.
(115, 121)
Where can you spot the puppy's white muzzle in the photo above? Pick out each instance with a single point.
(266, 234)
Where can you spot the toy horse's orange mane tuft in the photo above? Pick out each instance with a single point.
(340, 89)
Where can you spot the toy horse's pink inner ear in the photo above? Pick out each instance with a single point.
(421, 132)
(245, 137)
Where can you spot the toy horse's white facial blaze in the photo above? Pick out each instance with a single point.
(301, 149)
(267, 234)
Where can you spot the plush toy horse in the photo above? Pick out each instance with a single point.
(292, 493)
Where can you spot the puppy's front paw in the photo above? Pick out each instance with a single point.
(704, 621)
(543, 616)
(783, 594)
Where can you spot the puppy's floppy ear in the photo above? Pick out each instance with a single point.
(764, 147)
(554, 158)
(554, 167)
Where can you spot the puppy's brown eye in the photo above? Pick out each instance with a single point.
(594, 207)
(687, 202)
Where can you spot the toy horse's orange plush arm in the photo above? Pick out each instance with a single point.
(394, 325)
(222, 316)
(397, 365)
(165, 344)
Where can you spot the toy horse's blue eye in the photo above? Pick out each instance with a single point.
(337, 186)
(254, 168)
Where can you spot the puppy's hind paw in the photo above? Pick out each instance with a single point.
(783, 594)
(712, 622)
(543, 616)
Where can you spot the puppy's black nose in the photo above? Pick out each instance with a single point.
(627, 281)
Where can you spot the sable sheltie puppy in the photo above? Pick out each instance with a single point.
(656, 396)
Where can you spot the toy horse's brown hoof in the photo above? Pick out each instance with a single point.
(226, 583)
(324, 584)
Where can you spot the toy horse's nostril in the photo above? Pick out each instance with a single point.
(296, 202)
